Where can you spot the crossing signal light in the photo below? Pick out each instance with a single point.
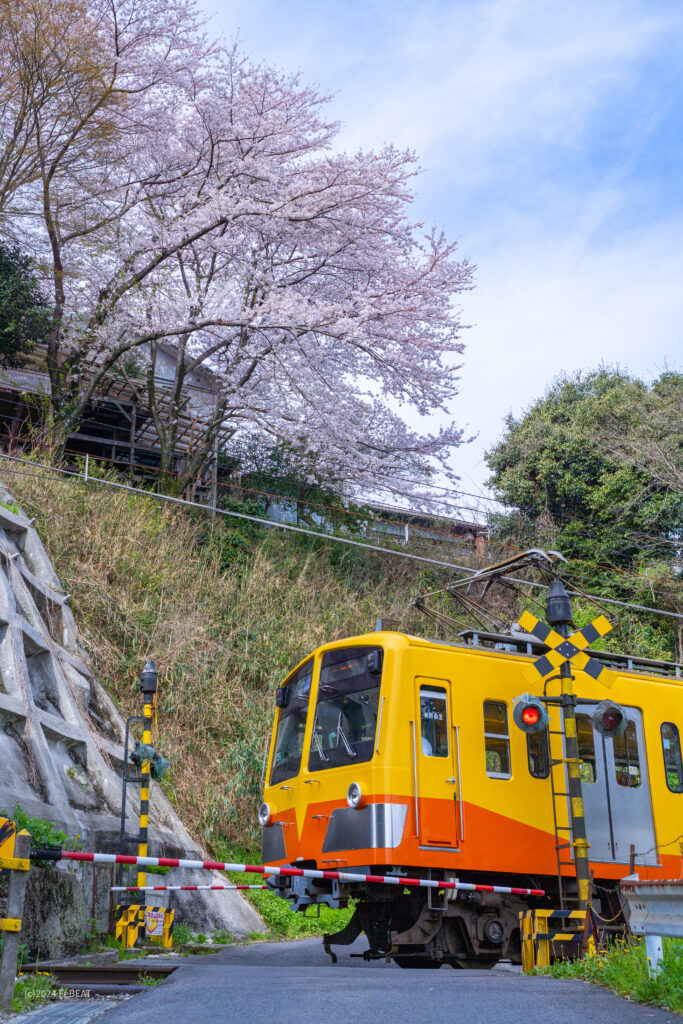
(158, 764)
(529, 713)
(610, 719)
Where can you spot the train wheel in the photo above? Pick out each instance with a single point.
(474, 964)
(417, 963)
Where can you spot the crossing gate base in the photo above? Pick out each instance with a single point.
(135, 922)
(549, 935)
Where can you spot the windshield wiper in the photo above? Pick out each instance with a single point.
(341, 735)
(319, 747)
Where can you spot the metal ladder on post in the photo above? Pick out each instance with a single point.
(564, 836)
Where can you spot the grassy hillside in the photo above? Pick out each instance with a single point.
(226, 609)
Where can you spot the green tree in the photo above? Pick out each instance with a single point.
(24, 316)
(594, 469)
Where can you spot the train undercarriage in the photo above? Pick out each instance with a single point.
(418, 928)
(424, 929)
(473, 931)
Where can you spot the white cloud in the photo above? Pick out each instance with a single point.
(560, 306)
(538, 127)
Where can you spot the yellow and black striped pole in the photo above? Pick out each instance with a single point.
(560, 615)
(148, 685)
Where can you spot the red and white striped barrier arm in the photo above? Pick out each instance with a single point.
(267, 869)
(179, 888)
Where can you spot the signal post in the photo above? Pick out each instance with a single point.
(565, 650)
(562, 606)
(148, 686)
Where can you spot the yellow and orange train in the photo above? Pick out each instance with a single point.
(399, 755)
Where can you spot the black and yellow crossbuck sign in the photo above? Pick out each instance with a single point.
(570, 648)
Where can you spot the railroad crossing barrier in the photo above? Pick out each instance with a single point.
(540, 929)
(14, 857)
(180, 888)
(267, 869)
(655, 910)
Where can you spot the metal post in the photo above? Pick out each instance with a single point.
(148, 712)
(125, 779)
(131, 436)
(560, 615)
(214, 484)
(15, 910)
(148, 685)
(654, 951)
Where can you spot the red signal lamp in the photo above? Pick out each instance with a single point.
(610, 719)
(529, 713)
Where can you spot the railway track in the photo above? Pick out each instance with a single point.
(105, 979)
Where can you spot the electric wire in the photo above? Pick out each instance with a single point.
(320, 536)
(415, 483)
(491, 542)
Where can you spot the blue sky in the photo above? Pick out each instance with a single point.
(550, 137)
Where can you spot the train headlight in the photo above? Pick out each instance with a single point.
(263, 815)
(354, 795)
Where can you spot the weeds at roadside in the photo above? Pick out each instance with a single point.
(147, 979)
(622, 966)
(30, 991)
(182, 934)
(109, 942)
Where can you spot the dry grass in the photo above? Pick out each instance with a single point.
(226, 609)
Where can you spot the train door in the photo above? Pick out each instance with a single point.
(436, 765)
(616, 790)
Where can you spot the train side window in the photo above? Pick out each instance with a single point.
(627, 758)
(586, 740)
(434, 721)
(673, 764)
(496, 739)
(538, 754)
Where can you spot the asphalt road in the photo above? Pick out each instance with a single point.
(295, 983)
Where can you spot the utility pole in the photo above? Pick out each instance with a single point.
(559, 614)
(148, 686)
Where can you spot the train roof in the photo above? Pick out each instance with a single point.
(526, 645)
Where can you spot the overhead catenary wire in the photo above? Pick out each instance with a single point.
(669, 581)
(230, 513)
(369, 517)
(448, 502)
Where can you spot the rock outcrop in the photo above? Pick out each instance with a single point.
(61, 736)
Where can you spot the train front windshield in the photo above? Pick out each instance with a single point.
(291, 726)
(346, 709)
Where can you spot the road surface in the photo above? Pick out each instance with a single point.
(295, 983)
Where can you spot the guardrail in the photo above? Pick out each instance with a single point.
(654, 910)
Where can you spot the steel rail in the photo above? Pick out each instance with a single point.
(118, 975)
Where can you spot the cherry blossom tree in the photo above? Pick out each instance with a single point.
(193, 199)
